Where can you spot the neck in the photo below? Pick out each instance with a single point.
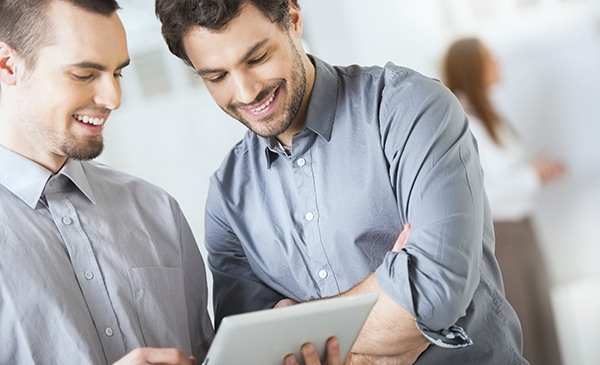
(15, 138)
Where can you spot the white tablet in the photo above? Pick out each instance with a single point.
(266, 337)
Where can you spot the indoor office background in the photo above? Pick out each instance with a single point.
(170, 132)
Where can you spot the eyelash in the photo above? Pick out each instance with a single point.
(258, 60)
(220, 78)
(89, 77)
(217, 79)
(83, 78)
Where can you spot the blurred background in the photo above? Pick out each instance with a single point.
(170, 132)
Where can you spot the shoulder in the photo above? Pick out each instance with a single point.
(107, 180)
(414, 89)
(418, 106)
(242, 157)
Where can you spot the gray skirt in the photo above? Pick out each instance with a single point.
(527, 289)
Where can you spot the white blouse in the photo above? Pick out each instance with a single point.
(511, 180)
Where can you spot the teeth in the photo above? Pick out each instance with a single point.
(266, 104)
(89, 120)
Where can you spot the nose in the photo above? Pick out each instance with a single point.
(108, 93)
(246, 87)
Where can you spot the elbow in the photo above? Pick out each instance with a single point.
(446, 304)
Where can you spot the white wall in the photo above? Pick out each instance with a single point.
(169, 131)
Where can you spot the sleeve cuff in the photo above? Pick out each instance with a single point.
(454, 337)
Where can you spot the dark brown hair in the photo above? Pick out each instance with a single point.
(465, 72)
(25, 26)
(178, 17)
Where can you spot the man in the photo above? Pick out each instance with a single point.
(338, 159)
(96, 266)
(95, 263)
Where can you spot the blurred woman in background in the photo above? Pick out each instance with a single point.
(512, 183)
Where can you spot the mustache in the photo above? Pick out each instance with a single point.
(94, 109)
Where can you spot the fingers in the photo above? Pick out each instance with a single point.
(402, 239)
(148, 355)
(333, 352)
(310, 355)
(312, 358)
(548, 170)
(291, 360)
(349, 360)
(284, 303)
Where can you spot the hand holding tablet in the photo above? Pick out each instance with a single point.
(312, 358)
(268, 337)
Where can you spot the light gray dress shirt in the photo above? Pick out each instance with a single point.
(93, 264)
(380, 147)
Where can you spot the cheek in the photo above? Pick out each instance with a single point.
(219, 94)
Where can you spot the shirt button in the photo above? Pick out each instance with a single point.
(322, 274)
(89, 275)
(109, 331)
(51, 183)
(301, 162)
(309, 216)
(67, 221)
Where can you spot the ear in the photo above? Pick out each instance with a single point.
(296, 24)
(8, 67)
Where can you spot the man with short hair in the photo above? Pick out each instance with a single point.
(337, 160)
(96, 266)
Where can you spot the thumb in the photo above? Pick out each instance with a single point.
(402, 239)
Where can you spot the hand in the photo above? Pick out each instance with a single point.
(312, 358)
(548, 170)
(148, 356)
(284, 303)
(402, 239)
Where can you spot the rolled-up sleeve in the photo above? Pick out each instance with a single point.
(435, 171)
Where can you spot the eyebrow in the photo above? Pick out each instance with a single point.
(249, 53)
(96, 66)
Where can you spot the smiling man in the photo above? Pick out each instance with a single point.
(96, 266)
(337, 160)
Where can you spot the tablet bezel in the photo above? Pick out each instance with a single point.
(266, 337)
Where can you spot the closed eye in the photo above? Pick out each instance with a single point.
(83, 77)
(258, 60)
(217, 79)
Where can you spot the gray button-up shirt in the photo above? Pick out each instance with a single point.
(93, 264)
(380, 147)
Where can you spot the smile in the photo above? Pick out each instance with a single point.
(89, 120)
(266, 103)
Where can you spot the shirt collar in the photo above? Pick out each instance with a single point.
(322, 106)
(27, 179)
(323, 100)
(74, 171)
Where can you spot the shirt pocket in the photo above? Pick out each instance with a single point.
(159, 297)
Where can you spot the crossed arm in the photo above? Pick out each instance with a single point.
(389, 335)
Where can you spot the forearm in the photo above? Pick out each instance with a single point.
(408, 358)
(389, 329)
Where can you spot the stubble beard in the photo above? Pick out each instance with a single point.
(89, 149)
(267, 127)
(58, 143)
